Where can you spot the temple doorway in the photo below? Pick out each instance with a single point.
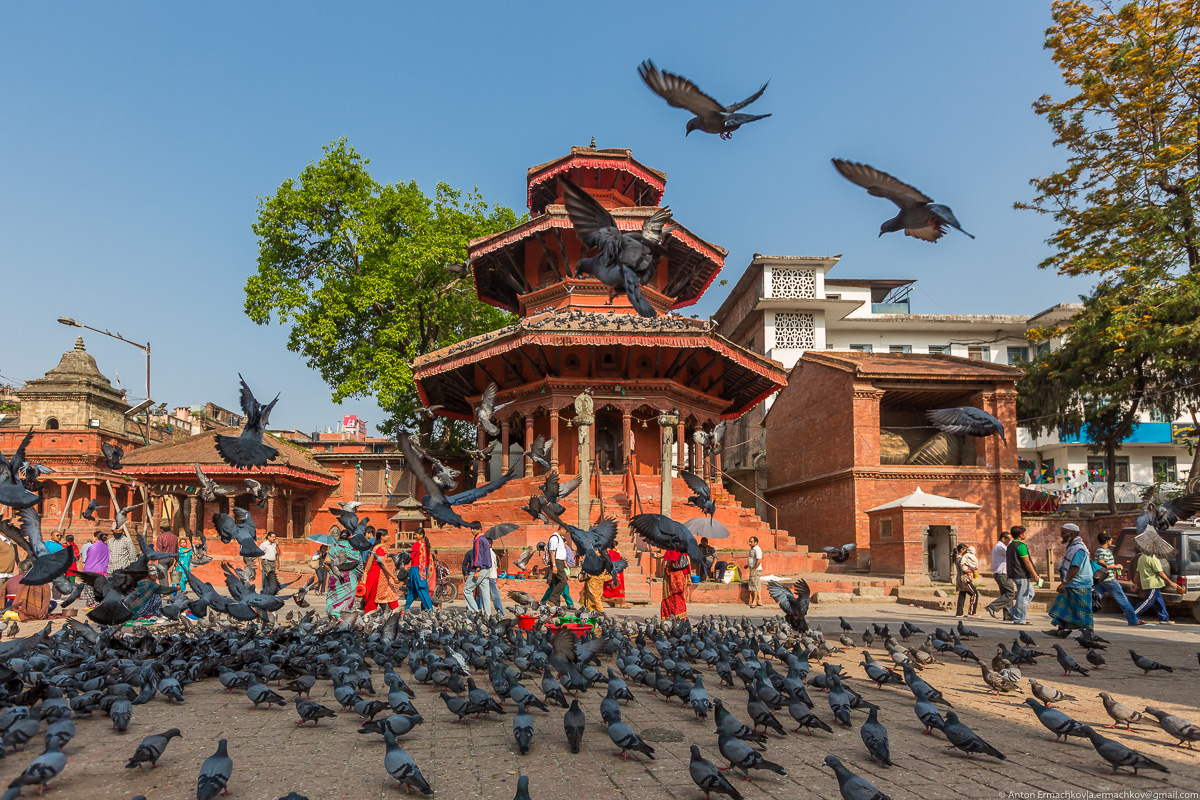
(939, 543)
(609, 456)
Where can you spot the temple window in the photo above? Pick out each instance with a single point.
(52, 424)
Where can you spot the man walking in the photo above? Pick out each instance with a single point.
(270, 553)
(754, 573)
(167, 542)
(1153, 580)
(1110, 578)
(556, 550)
(1023, 574)
(1072, 608)
(480, 563)
(1008, 589)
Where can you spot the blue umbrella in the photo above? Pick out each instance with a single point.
(322, 538)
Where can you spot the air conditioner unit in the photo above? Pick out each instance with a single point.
(93, 423)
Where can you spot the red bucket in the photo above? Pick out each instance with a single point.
(526, 621)
(581, 630)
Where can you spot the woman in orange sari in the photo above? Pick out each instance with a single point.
(419, 569)
(382, 582)
(678, 572)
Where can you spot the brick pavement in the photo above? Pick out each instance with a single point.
(478, 760)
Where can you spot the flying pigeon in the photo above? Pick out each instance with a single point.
(259, 491)
(702, 494)
(487, 409)
(794, 602)
(209, 489)
(540, 451)
(89, 513)
(839, 555)
(919, 216)
(248, 449)
(12, 493)
(710, 116)
(438, 505)
(664, 532)
(624, 258)
(1161, 516)
(113, 453)
(968, 419)
(710, 441)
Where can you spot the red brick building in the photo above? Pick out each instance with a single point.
(849, 433)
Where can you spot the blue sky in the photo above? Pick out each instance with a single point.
(137, 137)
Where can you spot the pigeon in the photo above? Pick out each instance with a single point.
(398, 724)
(744, 757)
(1186, 732)
(708, 777)
(209, 490)
(1147, 665)
(12, 493)
(259, 694)
(623, 257)
(927, 712)
(1047, 694)
(400, 765)
(874, 736)
(806, 719)
(214, 773)
(664, 532)
(794, 602)
(113, 453)
(1094, 658)
(969, 420)
(259, 491)
(522, 729)
(151, 749)
(965, 739)
(839, 555)
(851, 786)
(522, 789)
(1161, 516)
(1121, 713)
(919, 216)
(540, 452)
(574, 722)
(710, 116)
(1068, 664)
(1119, 755)
(623, 737)
(89, 513)
(41, 770)
(710, 441)
(60, 732)
(728, 723)
(487, 409)
(311, 711)
(1055, 721)
(702, 494)
(438, 505)
(248, 449)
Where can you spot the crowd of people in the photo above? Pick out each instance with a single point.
(1084, 578)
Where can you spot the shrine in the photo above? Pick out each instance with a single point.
(620, 395)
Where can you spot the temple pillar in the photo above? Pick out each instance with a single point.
(307, 517)
(270, 512)
(193, 514)
(668, 424)
(528, 444)
(554, 433)
(583, 427)
(504, 428)
(627, 438)
(681, 443)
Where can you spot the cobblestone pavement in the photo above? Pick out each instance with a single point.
(478, 760)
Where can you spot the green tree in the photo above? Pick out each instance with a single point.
(358, 268)
(1125, 205)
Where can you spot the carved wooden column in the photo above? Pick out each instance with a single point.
(307, 517)
(554, 433)
(583, 427)
(504, 427)
(270, 511)
(288, 521)
(681, 443)
(193, 514)
(627, 438)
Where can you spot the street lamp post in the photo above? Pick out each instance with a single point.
(145, 348)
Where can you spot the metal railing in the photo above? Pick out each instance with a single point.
(774, 508)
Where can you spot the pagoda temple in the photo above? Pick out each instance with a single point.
(620, 395)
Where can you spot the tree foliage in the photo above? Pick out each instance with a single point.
(358, 269)
(1125, 205)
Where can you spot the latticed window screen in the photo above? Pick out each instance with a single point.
(794, 330)
(372, 480)
(793, 282)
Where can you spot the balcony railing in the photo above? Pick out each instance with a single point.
(890, 308)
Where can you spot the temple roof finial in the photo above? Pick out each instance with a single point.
(79, 344)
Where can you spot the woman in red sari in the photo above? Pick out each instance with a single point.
(614, 591)
(678, 572)
(381, 584)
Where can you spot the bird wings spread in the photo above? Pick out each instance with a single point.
(880, 184)
(594, 226)
(471, 495)
(959, 420)
(749, 99)
(680, 92)
(413, 462)
(695, 483)
(256, 413)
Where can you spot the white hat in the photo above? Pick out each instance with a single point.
(1071, 526)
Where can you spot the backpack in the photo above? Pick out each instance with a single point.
(570, 559)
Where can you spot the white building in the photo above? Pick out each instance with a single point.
(784, 305)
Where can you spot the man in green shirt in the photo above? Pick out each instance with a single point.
(1152, 579)
(1023, 574)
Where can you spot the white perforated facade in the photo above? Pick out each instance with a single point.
(798, 283)
(795, 330)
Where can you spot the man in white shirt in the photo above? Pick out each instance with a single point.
(557, 550)
(754, 573)
(1008, 589)
(270, 551)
